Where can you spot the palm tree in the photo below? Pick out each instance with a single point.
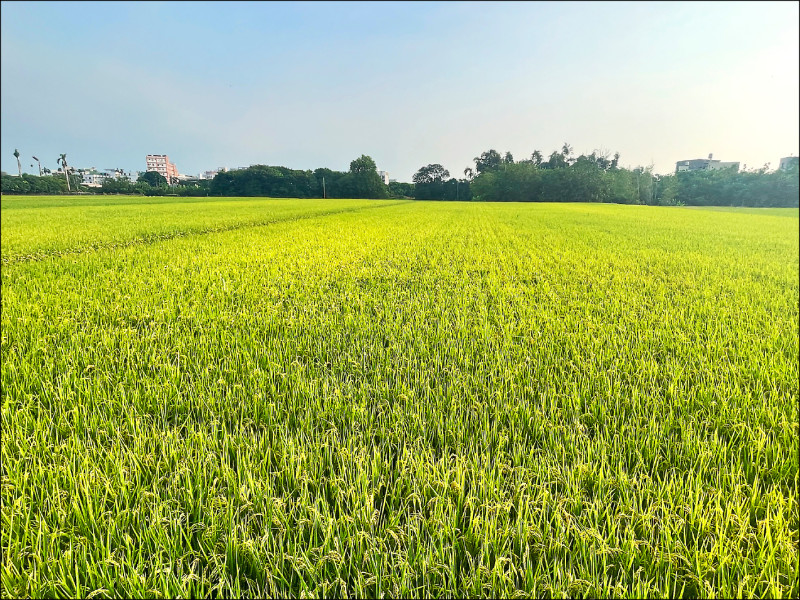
(19, 166)
(62, 161)
(566, 152)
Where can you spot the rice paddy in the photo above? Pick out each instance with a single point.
(305, 398)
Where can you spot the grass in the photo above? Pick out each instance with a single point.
(400, 399)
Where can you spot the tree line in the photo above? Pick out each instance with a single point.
(495, 177)
(361, 181)
(148, 185)
(598, 177)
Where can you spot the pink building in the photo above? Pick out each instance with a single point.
(160, 164)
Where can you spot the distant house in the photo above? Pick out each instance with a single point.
(92, 177)
(131, 176)
(704, 164)
(384, 175)
(789, 162)
(695, 164)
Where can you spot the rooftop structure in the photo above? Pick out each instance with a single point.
(704, 164)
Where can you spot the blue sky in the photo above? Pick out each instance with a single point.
(308, 85)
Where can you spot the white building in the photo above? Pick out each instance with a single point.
(131, 176)
(384, 175)
(91, 177)
(789, 162)
(704, 164)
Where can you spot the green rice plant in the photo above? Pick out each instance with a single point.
(403, 400)
(37, 227)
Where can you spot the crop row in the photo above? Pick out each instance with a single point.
(33, 233)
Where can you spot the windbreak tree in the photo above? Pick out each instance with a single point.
(429, 182)
(456, 189)
(33, 184)
(364, 181)
(153, 178)
(487, 161)
(398, 189)
(518, 182)
(112, 185)
(727, 187)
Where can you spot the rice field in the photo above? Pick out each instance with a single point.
(306, 398)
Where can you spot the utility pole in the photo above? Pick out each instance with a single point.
(40, 165)
(655, 190)
(638, 191)
(323, 187)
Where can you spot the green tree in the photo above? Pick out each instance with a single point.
(556, 161)
(327, 183)
(363, 180)
(566, 152)
(434, 173)
(363, 164)
(32, 184)
(516, 182)
(398, 189)
(666, 190)
(112, 185)
(488, 161)
(456, 189)
(153, 179)
(14, 185)
(429, 182)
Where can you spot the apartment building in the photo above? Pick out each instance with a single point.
(789, 162)
(384, 175)
(160, 164)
